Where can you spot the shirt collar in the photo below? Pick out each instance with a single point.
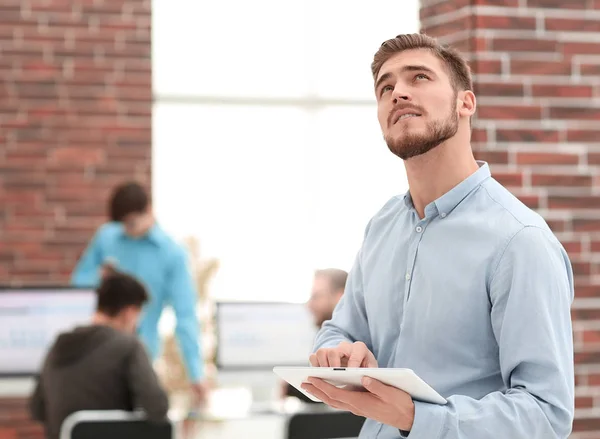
(447, 202)
(155, 235)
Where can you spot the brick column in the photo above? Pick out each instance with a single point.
(536, 65)
(75, 119)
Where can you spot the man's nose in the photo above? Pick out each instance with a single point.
(401, 97)
(400, 94)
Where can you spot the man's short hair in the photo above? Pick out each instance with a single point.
(128, 198)
(455, 65)
(336, 277)
(119, 291)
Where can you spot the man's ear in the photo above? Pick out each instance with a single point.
(467, 103)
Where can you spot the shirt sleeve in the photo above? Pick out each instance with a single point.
(531, 293)
(182, 293)
(87, 270)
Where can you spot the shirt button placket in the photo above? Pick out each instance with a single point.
(414, 246)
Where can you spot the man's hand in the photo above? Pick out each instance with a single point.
(344, 355)
(200, 391)
(385, 404)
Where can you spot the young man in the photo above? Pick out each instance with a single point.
(102, 366)
(134, 243)
(457, 279)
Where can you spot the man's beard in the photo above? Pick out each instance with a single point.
(436, 132)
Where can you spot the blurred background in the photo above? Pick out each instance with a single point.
(266, 144)
(254, 126)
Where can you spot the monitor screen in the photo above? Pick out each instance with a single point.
(258, 335)
(31, 319)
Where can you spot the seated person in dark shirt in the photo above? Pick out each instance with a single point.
(101, 366)
(327, 290)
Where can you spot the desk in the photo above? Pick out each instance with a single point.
(268, 426)
(258, 423)
(16, 387)
(267, 420)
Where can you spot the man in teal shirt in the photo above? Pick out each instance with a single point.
(134, 243)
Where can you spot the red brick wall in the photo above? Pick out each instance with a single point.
(75, 119)
(536, 65)
(15, 422)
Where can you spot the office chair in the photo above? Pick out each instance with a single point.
(324, 425)
(113, 424)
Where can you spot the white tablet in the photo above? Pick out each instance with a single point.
(350, 377)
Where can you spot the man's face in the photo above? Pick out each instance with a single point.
(416, 103)
(137, 224)
(323, 300)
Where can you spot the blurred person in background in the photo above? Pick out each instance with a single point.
(134, 243)
(457, 279)
(102, 366)
(327, 290)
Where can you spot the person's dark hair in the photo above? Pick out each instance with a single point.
(119, 291)
(128, 198)
(336, 277)
(455, 64)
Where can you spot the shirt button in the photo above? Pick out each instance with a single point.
(443, 215)
(407, 276)
(419, 229)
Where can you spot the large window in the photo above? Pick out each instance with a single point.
(266, 141)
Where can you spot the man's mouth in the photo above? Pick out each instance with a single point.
(403, 114)
(406, 116)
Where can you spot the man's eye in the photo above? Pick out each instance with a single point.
(421, 76)
(386, 88)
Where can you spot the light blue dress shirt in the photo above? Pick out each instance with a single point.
(475, 298)
(162, 265)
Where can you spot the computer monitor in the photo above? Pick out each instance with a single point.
(31, 319)
(259, 335)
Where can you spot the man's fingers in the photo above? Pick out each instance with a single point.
(369, 361)
(344, 355)
(345, 348)
(329, 357)
(323, 396)
(377, 388)
(334, 357)
(355, 360)
(359, 353)
(335, 397)
(322, 360)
